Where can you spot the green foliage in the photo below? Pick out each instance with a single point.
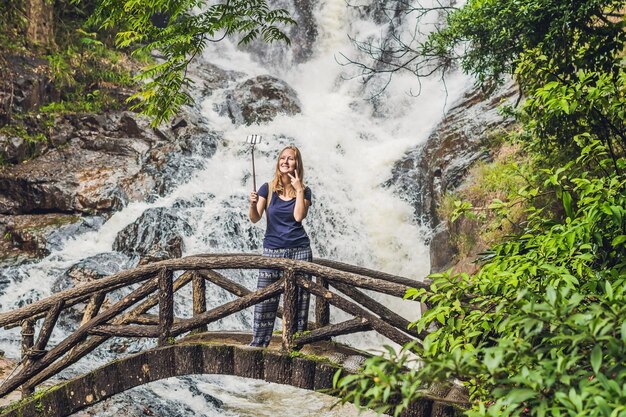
(579, 35)
(589, 106)
(187, 27)
(492, 204)
(382, 384)
(85, 70)
(565, 56)
(22, 132)
(12, 24)
(540, 330)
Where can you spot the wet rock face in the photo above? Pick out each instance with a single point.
(304, 34)
(92, 268)
(96, 165)
(427, 172)
(25, 86)
(13, 148)
(29, 234)
(80, 177)
(214, 78)
(442, 252)
(29, 237)
(87, 270)
(156, 235)
(261, 99)
(106, 160)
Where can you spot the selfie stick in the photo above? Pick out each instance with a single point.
(253, 140)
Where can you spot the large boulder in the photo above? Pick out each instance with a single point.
(92, 268)
(31, 236)
(28, 234)
(261, 99)
(96, 165)
(156, 235)
(87, 270)
(13, 149)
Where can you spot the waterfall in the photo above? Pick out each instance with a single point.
(348, 146)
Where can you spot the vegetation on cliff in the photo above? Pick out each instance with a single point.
(539, 329)
(97, 55)
(54, 64)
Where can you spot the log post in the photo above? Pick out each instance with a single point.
(28, 341)
(322, 308)
(199, 299)
(289, 308)
(46, 329)
(377, 324)
(43, 364)
(166, 305)
(93, 308)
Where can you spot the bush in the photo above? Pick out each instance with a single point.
(540, 330)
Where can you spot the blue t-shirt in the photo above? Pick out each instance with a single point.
(283, 231)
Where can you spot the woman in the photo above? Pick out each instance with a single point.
(286, 201)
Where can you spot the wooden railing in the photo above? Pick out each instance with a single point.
(158, 286)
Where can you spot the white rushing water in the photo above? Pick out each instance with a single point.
(348, 150)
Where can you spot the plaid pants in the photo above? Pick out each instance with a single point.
(265, 312)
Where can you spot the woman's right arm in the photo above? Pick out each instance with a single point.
(257, 207)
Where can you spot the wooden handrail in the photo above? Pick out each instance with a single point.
(158, 288)
(198, 262)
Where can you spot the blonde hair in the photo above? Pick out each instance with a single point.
(276, 184)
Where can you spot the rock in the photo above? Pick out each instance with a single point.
(7, 369)
(87, 270)
(129, 127)
(92, 268)
(178, 123)
(26, 85)
(174, 163)
(427, 172)
(197, 200)
(442, 252)
(304, 34)
(212, 78)
(156, 235)
(58, 236)
(13, 149)
(107, 160)
(29, 233)
(261, 99)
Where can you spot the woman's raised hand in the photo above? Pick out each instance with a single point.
(254, 198)
(295, 181)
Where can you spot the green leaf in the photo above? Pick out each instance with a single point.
(618, 240)
(596, 358)
(567, 204)
(492, 359)
(519, 395)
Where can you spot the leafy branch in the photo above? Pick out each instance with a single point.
(180, 30)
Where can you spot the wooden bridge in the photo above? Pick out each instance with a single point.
(184, 346)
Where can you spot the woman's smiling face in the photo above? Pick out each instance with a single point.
(287, 161)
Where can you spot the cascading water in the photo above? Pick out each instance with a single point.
(348, 147)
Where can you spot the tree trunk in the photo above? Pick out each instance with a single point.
(40, 29)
